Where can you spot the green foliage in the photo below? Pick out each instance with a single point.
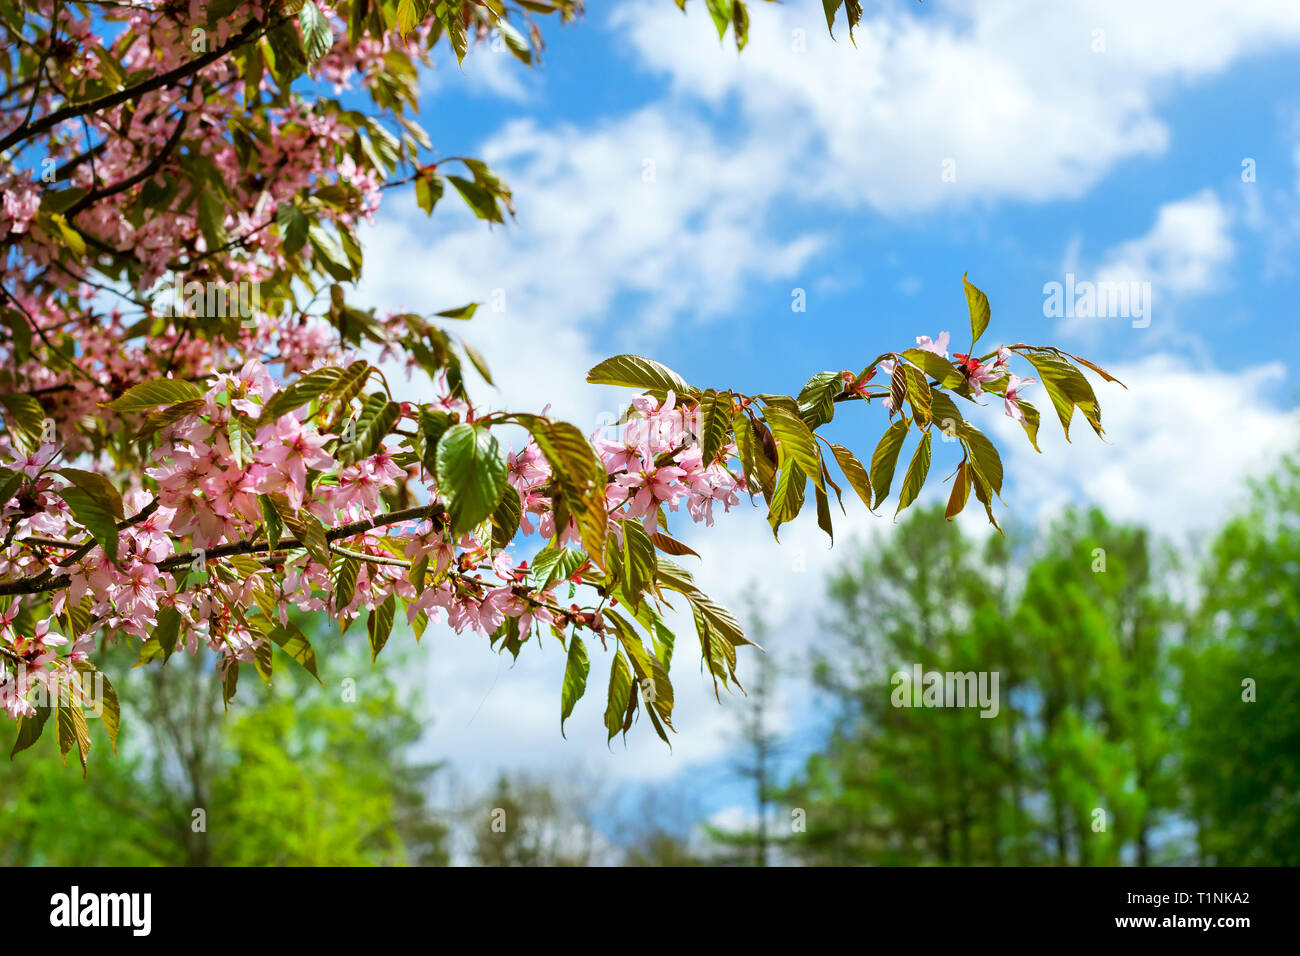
(1243, 755)
(1082, 724)
(296, 775)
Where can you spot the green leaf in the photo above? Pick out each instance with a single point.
(30, 729)
(984, 456)
(300, 392)
(639, 561)
(824, 512)
(380, 625)
(978, 305)
(944, 413)
(378, 418)
(715, 424)
(449, 14)
(633, 371)
(329, 254)
(960, 492)
(20, 334)
(936, 366)
(620, 693)
(831, 7)
(478, 197)
(294, 642)
(345, 571)
(155, 392)
(428, 190)
(556, 564)
(916, 474)
(817, 398)
(854, 472)
(292, 223)
(720, 11)
(918, 394)
(212, 219)
(306, 528)
(1030, 424)
(788, 498)
(578, 480)
(270, 521)
(1067, 387)
(795, 442)
(462, 314)
(471, 475)
(576, 669)
(167, 630)
(317, 36)
(73, 730)
(506, 518)
(885, 459)
(96, 504)
(24, 417)
(411, 13)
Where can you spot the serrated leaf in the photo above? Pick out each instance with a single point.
(984, 457)
(857, 475)
(885, 459)
(344, 580)
(917, 471)
(936, 366)
(506, 518)
(918, 394)
(30, 730)
(151, 394)
(633, 371)
(24, 418)
(796, 441)
(620, 692)
(471, 475)
(576, 669)
(715, 424)
(380, 625)
(317, 36)
(960, 492)
(639, 561)
(977, 303)
(96, 504)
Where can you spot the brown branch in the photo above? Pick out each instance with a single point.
(28, 129)
(47, 582)
(155, 164)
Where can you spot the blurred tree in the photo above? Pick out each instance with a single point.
(295, 775)
(757, 748)
(528, 821)
(1072, 769)
(1241, 685)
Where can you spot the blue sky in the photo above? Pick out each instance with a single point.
(807, 164)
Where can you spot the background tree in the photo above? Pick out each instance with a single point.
(297, 775)
(1240, 689)
(1083, 723)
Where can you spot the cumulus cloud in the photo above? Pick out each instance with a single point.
(1024, 101)
(1181, 442)
(624, 229)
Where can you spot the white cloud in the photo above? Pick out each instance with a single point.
(1180, 444)
(1013, 93)
(1184, 252)
(623, 230)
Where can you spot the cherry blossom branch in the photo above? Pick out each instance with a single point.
(28, 129)
(47, 582)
